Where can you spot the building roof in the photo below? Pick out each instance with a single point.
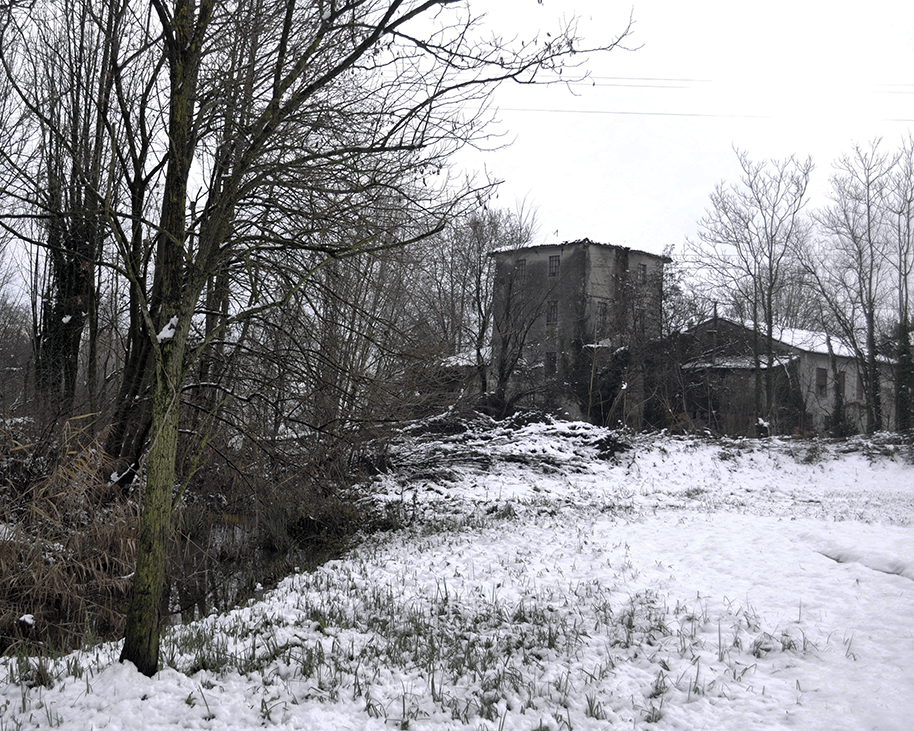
(581, 242)
(810, 341)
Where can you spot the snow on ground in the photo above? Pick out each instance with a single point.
(547, 577)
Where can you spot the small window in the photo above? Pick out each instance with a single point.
(841, 382)
(552, 312)
(642, 274)
(821, 381)
(861, 391)
(520, 269)
(554, 266)
(551, 363)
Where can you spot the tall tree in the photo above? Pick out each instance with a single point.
(457, 283)
(849, 261)
(746, 244)
(901, 209)
(54, 172)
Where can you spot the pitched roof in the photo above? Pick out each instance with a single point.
(810, 341)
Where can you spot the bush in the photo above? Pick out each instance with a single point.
(66, 549)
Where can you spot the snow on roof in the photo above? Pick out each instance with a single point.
(746, 362)
(811, 341)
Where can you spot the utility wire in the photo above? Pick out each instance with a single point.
(633, 114)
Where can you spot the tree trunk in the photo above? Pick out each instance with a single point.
(904, 379)
(141, 638)
(173, 305)
(874, 397)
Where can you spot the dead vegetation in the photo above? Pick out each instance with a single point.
(66, 548)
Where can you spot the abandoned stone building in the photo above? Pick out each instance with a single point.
(570, 324)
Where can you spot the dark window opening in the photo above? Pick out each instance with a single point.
(554, 266)
(552, 312)
(821, 381)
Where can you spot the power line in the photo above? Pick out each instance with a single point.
(584, 79)
(695, 115)
(636, 114)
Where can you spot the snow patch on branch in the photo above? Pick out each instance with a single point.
(168, 331)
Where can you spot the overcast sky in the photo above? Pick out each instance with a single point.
(631, 156)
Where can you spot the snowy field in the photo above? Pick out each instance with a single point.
(542, 578)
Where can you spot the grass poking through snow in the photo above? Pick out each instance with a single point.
(522, 600)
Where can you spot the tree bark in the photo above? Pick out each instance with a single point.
(141, 639)
(174, 307)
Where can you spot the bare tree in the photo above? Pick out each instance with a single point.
(518, 313)
(746, 245)
(226, 140)
(331, 110)
(14, 352)
(849, 261)
(901, 256)
(62, 120)
(456, 290)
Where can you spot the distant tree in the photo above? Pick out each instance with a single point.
(901, 209)
(684, 303)
(683, 306)
(849, 261)
(15, 351)
(455, 291)
(838, 421)
(746, 246)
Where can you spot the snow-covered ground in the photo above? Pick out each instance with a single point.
(544, 578)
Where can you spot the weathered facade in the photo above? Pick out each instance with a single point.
(567, 320)
(817, 384)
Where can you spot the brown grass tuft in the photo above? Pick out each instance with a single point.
(67, 549)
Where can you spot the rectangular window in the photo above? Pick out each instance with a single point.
(552, 312)
(642, 274)
(520, 269)
(841, 382)
(821, 382)
(554, 266)
(861, 392)
(551, 364)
